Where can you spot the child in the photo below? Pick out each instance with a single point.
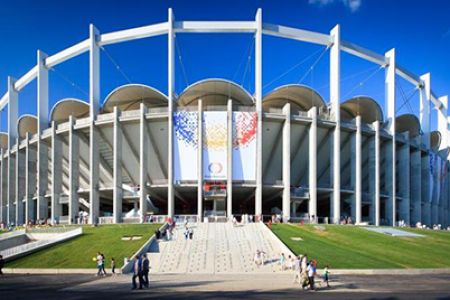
(113, 266)
(326, 275)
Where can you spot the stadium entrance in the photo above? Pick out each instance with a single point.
(215, 196)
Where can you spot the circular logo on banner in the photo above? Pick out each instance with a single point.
(215, 168)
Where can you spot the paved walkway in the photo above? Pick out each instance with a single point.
(218, 248)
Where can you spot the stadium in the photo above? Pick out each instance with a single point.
(215, 151)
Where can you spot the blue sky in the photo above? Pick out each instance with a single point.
(419, 30)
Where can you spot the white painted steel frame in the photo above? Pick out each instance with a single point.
(212, 27)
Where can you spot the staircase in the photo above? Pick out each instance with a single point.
(218, 248)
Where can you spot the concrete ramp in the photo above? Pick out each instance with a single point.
(218, 248)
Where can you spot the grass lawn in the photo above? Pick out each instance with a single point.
(78, 252)
(350, 247)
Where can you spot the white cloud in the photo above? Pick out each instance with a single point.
(353, 5)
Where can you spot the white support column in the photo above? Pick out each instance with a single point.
(425, 98)
(42, 149)
(230, 160)
(143, 163)
(258, 99)
(443, 123)
(287, 163)
(425, 189)
(390, 111)
(377, 173)
(358, 171)
(312, 207)
(3, 198)
(404, 182)
(335, 70)
(117, 168)
(416, 185)
(13, 109)
(20, 185)
(29, 180)
(170, 96)
(94, 103)
(200, 161)
(56, 209)
(42, 92)
(74, 171)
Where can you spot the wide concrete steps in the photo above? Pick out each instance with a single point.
(218, 248)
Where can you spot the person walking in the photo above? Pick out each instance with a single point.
(297, 269)
(282, 261)
(145, 270)
(113, 266)
(2, 264)
(99, 259)
(137, 272)
(326, 274)
(311, 273)
(103, 264)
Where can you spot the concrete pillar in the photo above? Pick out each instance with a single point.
(143, 163)
(416, 186)
(425, 98)
(230, 160)
(390, 112)
(20, 185)
(170, 96)
(404, 182)
(117, 168)
(434, 191)
(258, 99)
(200, 160)
(374, 175)
(94, 104)
(312, 207)
(358, 171)
(11, 181)
(443, 123)
(13, 109)
(425, 195)
(74, 171)
(389, 181)
(42, 149)
(30, 180)
(335, 98)
(3, 189)
(56, 208)
(287, 163)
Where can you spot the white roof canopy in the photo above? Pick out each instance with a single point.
(214, 92)
(130, 96)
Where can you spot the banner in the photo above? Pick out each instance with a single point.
(215, 145)
(185, 126)
(244, 145)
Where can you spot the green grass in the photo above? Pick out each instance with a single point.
(350, 247)
(78, 252)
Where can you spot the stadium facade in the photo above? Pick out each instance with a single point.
(215, 149)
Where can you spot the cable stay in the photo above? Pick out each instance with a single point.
(116, 65)
(298, 64)
(313, 65)
(363, 82)
(67, 79)
(180, 59)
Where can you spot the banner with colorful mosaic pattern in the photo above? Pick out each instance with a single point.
(244, 145)
(185, 127)
(215, 145)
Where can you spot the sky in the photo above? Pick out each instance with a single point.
(419, 31)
